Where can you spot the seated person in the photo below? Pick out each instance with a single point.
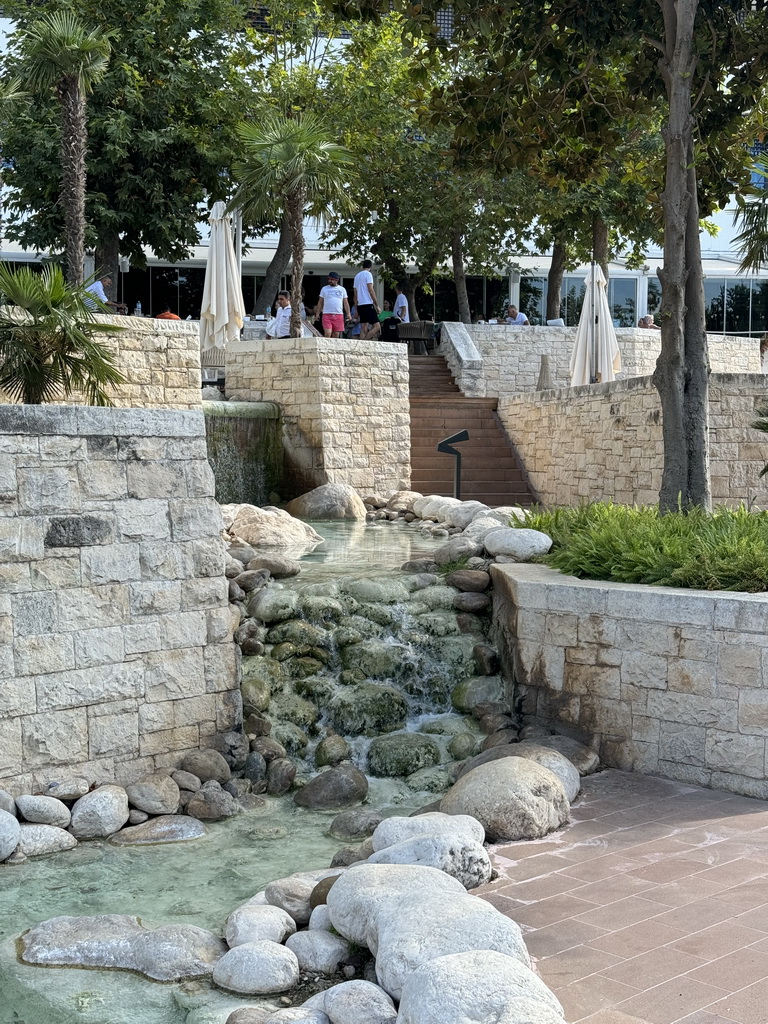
(516, 318)
(167, 315)
(650, 323)
(98, 290)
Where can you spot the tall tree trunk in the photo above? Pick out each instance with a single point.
(294, 210)
(275, 270)
(600, 244)
(74, 139)
(682, 369)
(460, 277)
(555, 277)
(107, 261)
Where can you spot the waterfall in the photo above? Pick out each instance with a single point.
(245, 450)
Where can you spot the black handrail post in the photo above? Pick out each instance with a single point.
(445, 446)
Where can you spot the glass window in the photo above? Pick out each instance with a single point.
(759, 307)
(573, 297)
(248, 285)
(476, 296)
(496, 295)
(622, 299)
(191, 284)
(134, 287)
(165, 290)
(533, 298)
(445, 301)
(714, 302)
(737, 303)
(654, 295)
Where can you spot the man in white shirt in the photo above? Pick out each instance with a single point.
(98, 290)
(333, 307)
(516, 318)
(400, 307)
(366, 301)
(282, 327)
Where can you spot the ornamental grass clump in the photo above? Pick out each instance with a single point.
(722, 550)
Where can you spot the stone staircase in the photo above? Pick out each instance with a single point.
(490, 471)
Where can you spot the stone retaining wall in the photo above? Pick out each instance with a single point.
(344, 404)
(491, 360)
(160, 360)
(604, 441)
(116, 653)
(659, 680)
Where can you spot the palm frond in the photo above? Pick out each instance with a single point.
(58, 46)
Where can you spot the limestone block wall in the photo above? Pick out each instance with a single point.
(344, 404)
(116, 654)
(604, 441)
(658, 680)
(159, 359)
(506, 360)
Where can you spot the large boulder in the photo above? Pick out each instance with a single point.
(402, 501)
(355, 824)
(337, 787)
(401, 754)
(276, 565)
(100, 813)
(155, 794)
(473, 988)
(329, 501)
(294, 892)
(208, 765)
(355, 898)
(257, 968)
(518, 543)
(463, 859)
(582, 757)
(290, 1015)
(399, 829)
(466, 695)
(9, 834)
(212, 803)
(273, 604)
(44, 810)
(367, 709)
(462, 515)
(172, 952)
(256, 923)
(318, 951)
(557, 763)
(39, 840)
(409, 935)
(377, 659)
(269, 527)
(513, 798)
(354, 1002)
(168, 828)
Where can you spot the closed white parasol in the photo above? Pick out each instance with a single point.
(596, 357)
(222, 311)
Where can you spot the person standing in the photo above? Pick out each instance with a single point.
(366, 301)
(282, 324)
(333, 307)
(400, 308)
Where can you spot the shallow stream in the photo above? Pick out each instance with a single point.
(199, 882)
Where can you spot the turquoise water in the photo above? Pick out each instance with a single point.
(199, 882)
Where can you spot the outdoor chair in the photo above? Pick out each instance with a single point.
(418, 335)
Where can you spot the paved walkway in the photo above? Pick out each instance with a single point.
(652, 908)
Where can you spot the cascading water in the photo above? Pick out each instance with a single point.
(245, 449)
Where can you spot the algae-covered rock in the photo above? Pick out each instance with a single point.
(376, 591)
(377, 659)
(264, 670)
(438, 623)
(320, 609)
(331, 750)
(360, 625)
(477, 690)
(289, 708)
(256, 695)
(432, 780)
(300, 633)
(303, 668)
(437, 597)
(337, 787)
(273, 604)
(367, 710)
(290, 736)
(462, 746)
(402, 754)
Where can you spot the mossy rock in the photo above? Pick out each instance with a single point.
(301, 668)
(402, 754)
(351, 676)
(331, 750)
(344, 636)
(288, 707)
(432, 780)
(319, 689)
(457, 654)
(463, 745)
(320, 609)
(361, 625)
(294, 739)
(319, 654)
(445, 725)
(438, 597)
(367, 710)
(438, 623)
(477, 690)
(378, 591)
(377, 659)
(300, 633)
(284, 651)
(256, 695)
(383, 614)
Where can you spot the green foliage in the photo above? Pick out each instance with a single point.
(48, 339)
(722, 550)
(762, 424)
(59, 48)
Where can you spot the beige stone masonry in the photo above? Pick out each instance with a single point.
(344, 405)
(604, 441)
(116, 651)
(659, 680)
(159, 359)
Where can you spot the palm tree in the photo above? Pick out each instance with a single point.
(64, 55)
(48, 344)
(293, 161)
(752, 217)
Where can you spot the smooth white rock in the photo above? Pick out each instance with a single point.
(462, 859)
(355, 1002)
(254, 923)
(318, 950)
(100, 813)
(557, 763)
(469, 988)
(298, 1015)
(38, 840)
(257, 968)
(435, 823)
(518, 543)
(411, 934)
(462, 515)
(269, 527)
(513, 798)
(44, 810)
(354, 899)
(292, 893)
(582, 757)
(9, 834)
(320, 919)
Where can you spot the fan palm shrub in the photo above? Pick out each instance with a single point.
(294, 161)
(49, 343)
(62, 54)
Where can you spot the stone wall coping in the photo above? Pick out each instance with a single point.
(457, 337)
(614, 388)
(347, 346)
(75, 420)
(148, 325)
(249, 410)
